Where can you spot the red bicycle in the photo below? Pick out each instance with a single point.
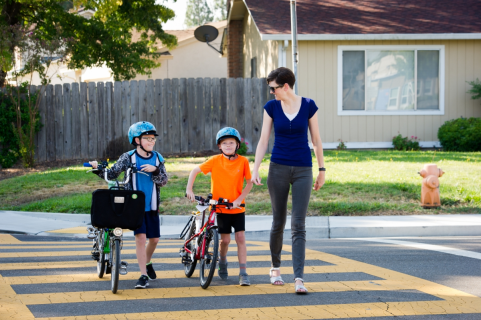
(202, 239)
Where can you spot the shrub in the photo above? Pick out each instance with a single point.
(461, 135)
(404, 143)
(243, 147)
(475, 91)
(9, 148)
(341, 145)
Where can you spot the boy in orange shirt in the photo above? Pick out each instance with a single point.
(228, 171)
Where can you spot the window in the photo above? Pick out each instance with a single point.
(254, 67)
(390, 80)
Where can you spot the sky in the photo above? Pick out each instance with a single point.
(179, 7)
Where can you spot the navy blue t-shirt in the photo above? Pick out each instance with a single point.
(291, 144)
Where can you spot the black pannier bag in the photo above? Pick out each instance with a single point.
(117, 209)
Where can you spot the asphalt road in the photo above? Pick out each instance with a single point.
(415, 278)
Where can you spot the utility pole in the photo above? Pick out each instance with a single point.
(294, 41)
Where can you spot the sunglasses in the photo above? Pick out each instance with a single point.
(273, 89)
(149, 139)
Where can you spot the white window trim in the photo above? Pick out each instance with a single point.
(441, 49)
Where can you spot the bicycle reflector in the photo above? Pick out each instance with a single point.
(118, 232)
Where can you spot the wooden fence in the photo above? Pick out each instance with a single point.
(91, 121)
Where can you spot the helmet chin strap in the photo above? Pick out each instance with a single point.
(141, 147)
(231, 155)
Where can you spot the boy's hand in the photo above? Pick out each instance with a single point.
(148, 168)
(94, 164)
(256, 179)
(236, 203)
(190, 195)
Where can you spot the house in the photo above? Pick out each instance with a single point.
(189, 59)
(375, 68)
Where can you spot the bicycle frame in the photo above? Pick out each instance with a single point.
(210, 223)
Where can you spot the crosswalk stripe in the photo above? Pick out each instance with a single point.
(91, 263)
(11, 307)
(332, 311)
(83, 253)
(168, 274)
(191, 292)
(7, 239)
(86, 245)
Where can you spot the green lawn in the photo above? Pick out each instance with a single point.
(358, 183)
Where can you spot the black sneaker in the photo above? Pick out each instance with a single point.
(151, 272)
(142, 283)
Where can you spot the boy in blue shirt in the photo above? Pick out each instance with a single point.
(142, 136)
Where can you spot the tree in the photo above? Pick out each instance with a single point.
(19, 101)
(220, 10)
(198, 13)
(104, 38)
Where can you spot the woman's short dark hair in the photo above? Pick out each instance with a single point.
(281, 76)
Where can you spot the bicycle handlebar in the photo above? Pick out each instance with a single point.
(210, 201)
(103, 168)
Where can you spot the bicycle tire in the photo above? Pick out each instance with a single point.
(208, 262)
(101, 265)
(114, 280)
(189, 268)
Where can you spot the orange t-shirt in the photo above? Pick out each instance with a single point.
(227, 178)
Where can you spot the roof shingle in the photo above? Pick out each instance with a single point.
(368, 16)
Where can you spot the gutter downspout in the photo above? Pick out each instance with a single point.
(294, 42)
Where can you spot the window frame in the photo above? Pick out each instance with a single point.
(440, 111)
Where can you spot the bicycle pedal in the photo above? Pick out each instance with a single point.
(96, 256)
(186, 260)
(108, 270)
(92, 233)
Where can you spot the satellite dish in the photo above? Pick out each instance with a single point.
(207, 34)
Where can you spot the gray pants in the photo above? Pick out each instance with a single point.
(279, 179)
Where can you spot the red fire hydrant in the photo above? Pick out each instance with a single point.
(430, 189)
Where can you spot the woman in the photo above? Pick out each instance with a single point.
(291, 164)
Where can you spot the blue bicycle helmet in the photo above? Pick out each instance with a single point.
(139, 129)
(227, 132)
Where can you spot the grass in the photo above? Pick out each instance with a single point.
(358, 183)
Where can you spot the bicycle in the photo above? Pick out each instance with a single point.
(202, 242)
(108, 242)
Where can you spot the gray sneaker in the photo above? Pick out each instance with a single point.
(222, 271)
(244, 280)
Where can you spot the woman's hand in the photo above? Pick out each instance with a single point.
(94, 164)
(148, 168)
(321, 178)
(256, 179)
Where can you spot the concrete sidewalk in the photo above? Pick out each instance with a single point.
(257, 227)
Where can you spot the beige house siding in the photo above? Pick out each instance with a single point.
(318, 72)
(191, 59)
(266, 52)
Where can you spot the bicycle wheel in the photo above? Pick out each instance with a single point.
(100, 248)
(209, 260)
(189, 267)
(114, 280)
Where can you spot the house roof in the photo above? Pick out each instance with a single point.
(182, 35)
(404, 18)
